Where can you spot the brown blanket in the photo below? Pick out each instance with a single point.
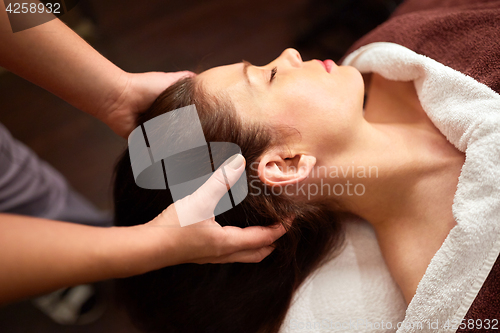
(463, 35)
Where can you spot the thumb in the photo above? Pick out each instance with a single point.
(220, 182)
(172, 77)
(200, 205)
(155, 82)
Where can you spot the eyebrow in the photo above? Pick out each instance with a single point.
(246, 64)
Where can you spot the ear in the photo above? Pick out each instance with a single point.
(276, 169)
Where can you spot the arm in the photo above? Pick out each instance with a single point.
(38, 255)
(54, 57)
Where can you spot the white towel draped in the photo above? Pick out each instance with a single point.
(352, 285)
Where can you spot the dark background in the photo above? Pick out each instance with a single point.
(161, 35)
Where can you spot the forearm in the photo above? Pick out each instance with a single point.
(62, 63)
(38, 255)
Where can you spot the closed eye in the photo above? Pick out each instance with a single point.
(273, 73)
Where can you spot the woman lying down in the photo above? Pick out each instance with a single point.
(315, 153)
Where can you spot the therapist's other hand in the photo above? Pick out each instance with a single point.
(207, 241)
(135, 94)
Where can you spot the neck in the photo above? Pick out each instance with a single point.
(408, 194)
(409, 202)
(378, 180)
(399, 161)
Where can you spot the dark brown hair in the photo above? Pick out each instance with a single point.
(234, 297)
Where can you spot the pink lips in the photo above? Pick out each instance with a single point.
(328, 64)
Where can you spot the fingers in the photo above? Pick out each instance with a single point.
(180, 75)
(252, 244)
(246, 256)
(200, 205)
(240, 239)
(217, 185)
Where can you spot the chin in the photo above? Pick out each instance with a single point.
(355, 74)
(358, 84)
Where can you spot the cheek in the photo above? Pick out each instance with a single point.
(315, 106)
(300, 105)
(328, 119)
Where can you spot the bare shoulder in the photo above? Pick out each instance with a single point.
(409, 248)
(409, 242)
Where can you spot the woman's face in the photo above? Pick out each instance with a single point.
(325, 107)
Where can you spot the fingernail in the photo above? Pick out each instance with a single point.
(235, 161)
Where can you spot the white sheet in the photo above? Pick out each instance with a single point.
(354, 292)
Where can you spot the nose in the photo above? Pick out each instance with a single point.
(293, 56)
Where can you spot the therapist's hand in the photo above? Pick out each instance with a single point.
(136, 93)
(207, 241)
